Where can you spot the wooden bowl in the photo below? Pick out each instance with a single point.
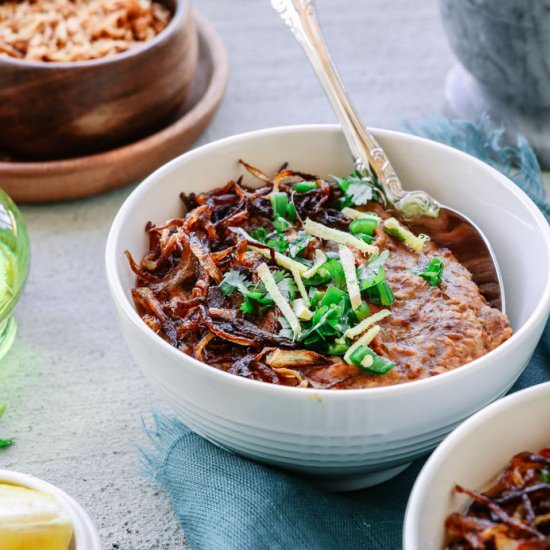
(58, 110)
(77, 177)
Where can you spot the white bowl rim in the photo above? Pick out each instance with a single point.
(453, 440)
(394, 390)
(89, 537)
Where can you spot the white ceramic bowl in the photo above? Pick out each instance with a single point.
(350, 438)
(85, 532)
(472, 456)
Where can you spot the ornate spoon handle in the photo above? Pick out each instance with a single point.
(301, 18)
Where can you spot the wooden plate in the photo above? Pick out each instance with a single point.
(84, 176)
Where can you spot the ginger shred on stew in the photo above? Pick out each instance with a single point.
(310, 282)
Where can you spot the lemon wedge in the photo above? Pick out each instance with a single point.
(31, 520)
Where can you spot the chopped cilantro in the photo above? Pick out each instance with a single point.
(359, 193)
(333, 295)
(252, 300)
(331, 318)
(275, 239)
(234, 280)
(324, 324)
(315, 296)
(372, 274)
(255, 296)
(280, 244)
(357, 189)
(281, 225)
(260, 234)
(545, 475)
(299, 244)
(286, 285)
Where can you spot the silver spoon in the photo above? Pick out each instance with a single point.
(423, 213)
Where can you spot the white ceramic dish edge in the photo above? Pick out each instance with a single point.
(85, 533)
(344, 432)
(520, 403)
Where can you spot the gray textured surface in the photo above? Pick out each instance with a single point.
(75, 396)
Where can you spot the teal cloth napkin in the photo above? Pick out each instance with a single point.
(227, 502)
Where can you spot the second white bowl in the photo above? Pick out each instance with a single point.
(350, 438)
(472, 456)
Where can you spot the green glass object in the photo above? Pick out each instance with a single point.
(14, 267)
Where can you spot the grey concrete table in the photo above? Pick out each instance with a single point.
(75, 396)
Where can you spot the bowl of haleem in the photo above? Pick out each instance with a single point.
(487, 485)
(288, 315)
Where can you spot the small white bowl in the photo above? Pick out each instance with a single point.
(349, 438)
(85, 532)
(472, 456)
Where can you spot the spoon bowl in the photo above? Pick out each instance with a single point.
(421, 211)
(471, 248)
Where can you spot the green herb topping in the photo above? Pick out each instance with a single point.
(357, 190)
(365, 226)
(372, 278)
(276, 239)
(282, 208)
(299, 244)
(324, 297)
(5, 442)
(433, 272)
(255, 296)
(376, 364)
(305, 186)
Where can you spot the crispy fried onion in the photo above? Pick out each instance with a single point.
(283, 176)
(205, 340)
(280, 358)
(225, 324)
(514, 514)
(200, 250)
(147, 303)
(179, 292)
(292, 375)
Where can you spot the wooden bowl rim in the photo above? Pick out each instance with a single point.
(179, 18)
(212, 96)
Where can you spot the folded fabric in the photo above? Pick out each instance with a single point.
(227, 502)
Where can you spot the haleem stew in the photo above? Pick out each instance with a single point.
(312, 283)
